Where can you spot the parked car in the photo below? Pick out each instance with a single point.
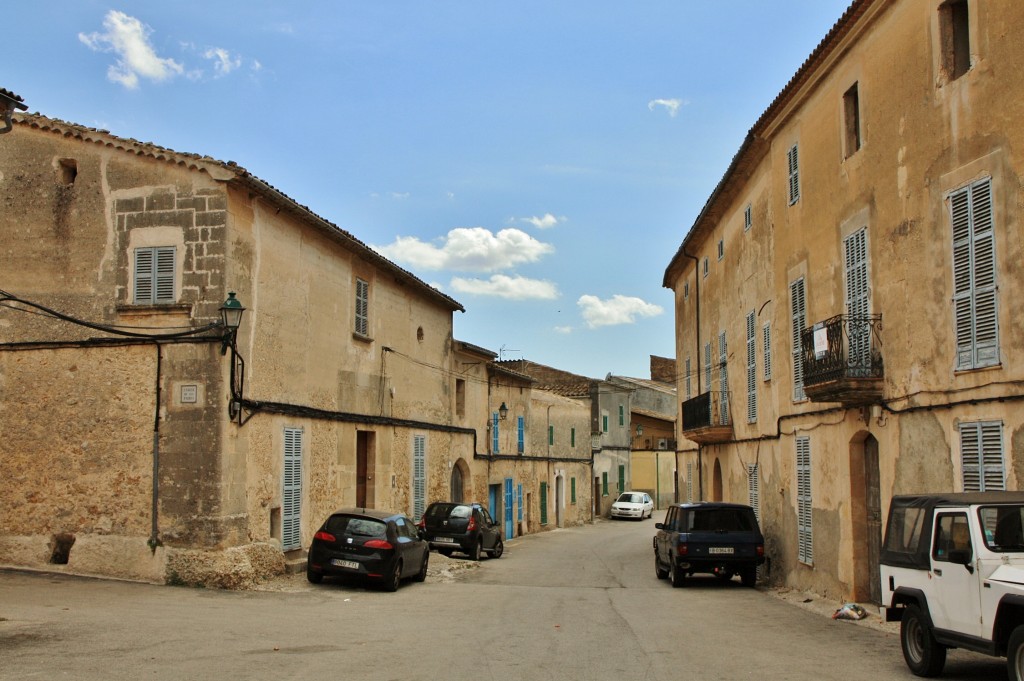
(952, 571)
(633, 505)
(467, 528)
(377, 545)
(708, 537)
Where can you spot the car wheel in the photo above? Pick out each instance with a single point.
(421, 576)
(498, 549)
(474, 553)
(1015, 655)
(924, 655)
(313, 577)
(659, 571)
(392, 581)
(748, 576)
(678, 577)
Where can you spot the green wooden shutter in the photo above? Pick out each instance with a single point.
(551, 435)
(543, 503)
(604, 483)
(622, 479)
(572, 488)
(572, 438)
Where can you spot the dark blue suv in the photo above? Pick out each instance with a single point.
(712, 537)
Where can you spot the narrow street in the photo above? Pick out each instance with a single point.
(578, 603)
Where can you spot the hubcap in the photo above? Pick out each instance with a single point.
(1018, 663)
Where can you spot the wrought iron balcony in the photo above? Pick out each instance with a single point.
(843, 360)
(706, 418)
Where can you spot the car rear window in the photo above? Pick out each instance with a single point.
(445, 511)
(356, 526)
(722, 520)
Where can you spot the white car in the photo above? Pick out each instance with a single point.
(633, 505)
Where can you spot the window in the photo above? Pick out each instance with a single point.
(460, 397)
(723, 379)
(291, 491)
(520, 434)
(622, 415)
(793, 164)
(495, 419)
(766, 341)
(419, 475)
(604, 484)
(954, 32)
(551, 435)
(154, 275)
(751, 368)
(974, 276)
(748, 218)
(805, 538)
(981, 454)
(799, 317)
(721, 249)
(952, 534)
(688, 384)
(362, 308)
(705, 266)
(543, 503)
(851, 121)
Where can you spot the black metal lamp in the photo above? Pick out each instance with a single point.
(230, 318)
(502, 411)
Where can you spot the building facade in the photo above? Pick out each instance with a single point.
(844, 324)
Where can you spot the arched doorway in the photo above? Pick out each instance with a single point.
(716, 482)
(865, 517)
(460, 472)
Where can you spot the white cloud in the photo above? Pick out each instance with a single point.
(546, 221)
(672, 105)
(223, 61)
(616, 310)
(503, 286)
(468, 249)
(128, 38)
(563, 329)
(399, 196)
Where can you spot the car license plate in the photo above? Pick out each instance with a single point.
(350, 564)
(444, 540)
(720, 549)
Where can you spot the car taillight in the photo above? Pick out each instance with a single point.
(682, 549)
(378, 544)
(472, 524)
(422, 524)
(760, 550)
(325, 536)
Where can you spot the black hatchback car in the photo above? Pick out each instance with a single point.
(468, 528)
(358, 542)
(713, 537)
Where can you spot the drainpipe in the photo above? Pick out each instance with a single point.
(696, 293)
(154, 538)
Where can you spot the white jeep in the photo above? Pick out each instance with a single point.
(953, 576)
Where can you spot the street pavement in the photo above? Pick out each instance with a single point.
(575, 603)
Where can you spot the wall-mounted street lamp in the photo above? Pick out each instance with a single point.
(231, 318)
(639, 429)
(502, 411)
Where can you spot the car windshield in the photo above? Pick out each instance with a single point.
(1003, 528)
(630, 498)
(355, 526)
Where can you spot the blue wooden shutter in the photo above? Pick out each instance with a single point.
(805, 542)
(495, 418)
(291, 502)
(974, 276)
(519, 502)
(520, 434)
(419, 475)
(154, 275)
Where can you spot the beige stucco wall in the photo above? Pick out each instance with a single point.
(923, 136)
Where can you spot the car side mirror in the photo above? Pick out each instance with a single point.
(962, 557)
(421, 533)
(659, 526)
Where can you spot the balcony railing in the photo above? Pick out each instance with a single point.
(706, 417)
(842, 360)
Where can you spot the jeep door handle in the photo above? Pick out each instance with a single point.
(938, 573)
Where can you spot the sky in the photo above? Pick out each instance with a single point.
(540, 161)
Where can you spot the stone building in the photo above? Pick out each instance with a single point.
(335, 391)
(844, 300)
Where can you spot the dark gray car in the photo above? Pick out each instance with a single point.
(712, 537)
(467, 528)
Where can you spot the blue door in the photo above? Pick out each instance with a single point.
(509, 530)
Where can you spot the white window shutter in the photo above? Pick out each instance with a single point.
(805, 535)
(144, 268)
(751, 368)
(799, 319)
(291, 502)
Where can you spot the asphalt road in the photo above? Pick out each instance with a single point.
(579, 603)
